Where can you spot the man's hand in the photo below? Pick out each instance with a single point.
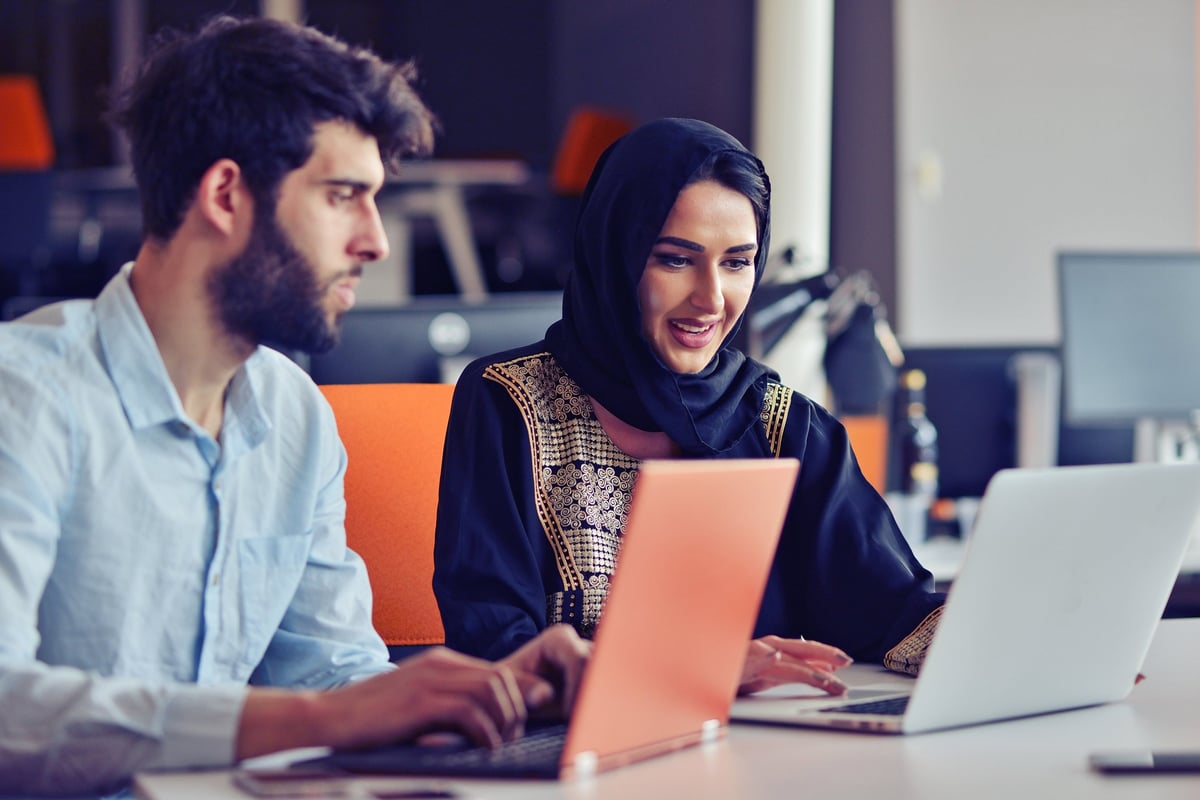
(435, 690)
(773, 661)
(557, 655)
(438, 690)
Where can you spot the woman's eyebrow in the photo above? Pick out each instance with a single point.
(741, 248)
(686, 244)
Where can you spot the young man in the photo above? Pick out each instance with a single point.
(171, 507)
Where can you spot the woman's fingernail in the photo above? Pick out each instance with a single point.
(836, 686)
(828, 682)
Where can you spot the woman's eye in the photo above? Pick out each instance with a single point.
(739, 263)
(671, 260)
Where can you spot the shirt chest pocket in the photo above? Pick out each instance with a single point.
(270, 570)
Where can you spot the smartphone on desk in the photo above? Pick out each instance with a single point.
(1129, 762)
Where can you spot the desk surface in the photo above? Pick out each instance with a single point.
(1036, 757)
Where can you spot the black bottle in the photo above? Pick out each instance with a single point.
(914, 446)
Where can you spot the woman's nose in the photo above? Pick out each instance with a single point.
(707, 294)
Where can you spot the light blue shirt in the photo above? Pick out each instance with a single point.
(149, 572)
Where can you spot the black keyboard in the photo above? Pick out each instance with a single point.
(536, 755)
(892, 706)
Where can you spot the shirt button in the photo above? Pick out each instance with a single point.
(217, 485)
(216, 580)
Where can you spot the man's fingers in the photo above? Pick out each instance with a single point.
(570, 654)
(559, 656)
(535, 690)
(483, 700)
(506, 701)
(457, 712)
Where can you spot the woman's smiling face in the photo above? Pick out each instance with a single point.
(699, 276)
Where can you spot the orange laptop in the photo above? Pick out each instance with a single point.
(699, 541)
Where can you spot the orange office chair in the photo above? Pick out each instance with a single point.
(869, 437)
(394, 434)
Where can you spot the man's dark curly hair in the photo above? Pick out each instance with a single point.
(252, 90)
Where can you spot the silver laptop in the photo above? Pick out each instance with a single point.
(1066, 575)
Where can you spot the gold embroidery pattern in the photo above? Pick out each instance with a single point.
(523, 379)
(909, 654)
(581, 607)
(777, 402)
(582, 481)
(582, 484)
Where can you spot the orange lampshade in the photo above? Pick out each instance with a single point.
(589, 131)
(25, 142)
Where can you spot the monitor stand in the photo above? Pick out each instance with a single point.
(1167, 440)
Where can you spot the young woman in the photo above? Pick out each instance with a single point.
(545, 441)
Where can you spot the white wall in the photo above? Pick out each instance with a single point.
(1029, 126)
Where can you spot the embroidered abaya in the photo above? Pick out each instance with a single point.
(534, 492)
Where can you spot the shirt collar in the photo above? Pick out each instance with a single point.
(141, 380)
(246, 422)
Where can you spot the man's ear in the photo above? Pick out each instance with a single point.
(222, 197)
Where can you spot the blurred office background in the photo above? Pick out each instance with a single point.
(948, 150)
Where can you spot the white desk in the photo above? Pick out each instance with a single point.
(1040, 757)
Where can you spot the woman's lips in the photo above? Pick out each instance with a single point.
(693, 333)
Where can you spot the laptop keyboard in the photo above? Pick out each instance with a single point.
(543, 746)
(892, 706)
(536, 755)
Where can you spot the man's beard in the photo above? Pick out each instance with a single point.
(269, 294)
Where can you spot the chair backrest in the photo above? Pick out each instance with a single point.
(869, 437)
(394, 435)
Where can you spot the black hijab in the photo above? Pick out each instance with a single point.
(599, 341)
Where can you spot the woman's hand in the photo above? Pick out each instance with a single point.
(772, 661)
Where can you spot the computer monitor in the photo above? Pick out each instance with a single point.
(971, 396)
(1131, 346)
(431, 339)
